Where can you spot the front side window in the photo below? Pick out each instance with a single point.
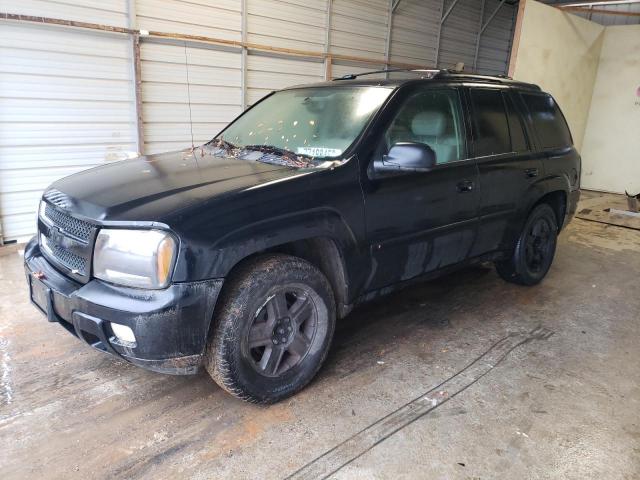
(432, 117)
(548, 122)
(491, 125)
(318, 123)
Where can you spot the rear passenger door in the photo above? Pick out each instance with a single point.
(508, 166)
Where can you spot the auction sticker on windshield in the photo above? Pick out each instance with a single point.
(319, 151)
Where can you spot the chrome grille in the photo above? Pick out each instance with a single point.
(68, 224)
(68, 259)
(67, 241)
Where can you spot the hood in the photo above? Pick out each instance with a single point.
(148, 188)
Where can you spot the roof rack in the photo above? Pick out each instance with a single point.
(352, 76)
(434, 73)
(431, 73)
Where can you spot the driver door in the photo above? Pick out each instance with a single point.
(418, 222)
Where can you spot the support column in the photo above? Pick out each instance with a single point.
(327, 43)
(243, 64)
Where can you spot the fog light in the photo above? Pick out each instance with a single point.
(123, 333)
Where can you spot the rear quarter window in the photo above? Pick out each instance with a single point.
(548, 122)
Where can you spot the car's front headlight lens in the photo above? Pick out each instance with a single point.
(135, 258)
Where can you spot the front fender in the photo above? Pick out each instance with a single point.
(217, 260)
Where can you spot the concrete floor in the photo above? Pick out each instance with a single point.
(564, 405)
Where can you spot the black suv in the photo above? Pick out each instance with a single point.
(239, 255)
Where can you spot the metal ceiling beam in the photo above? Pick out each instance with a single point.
(495, 12)
(444, 17)
(435, 63)
(387, 46)
(475, 57)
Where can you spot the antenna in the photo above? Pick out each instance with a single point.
(186, 66)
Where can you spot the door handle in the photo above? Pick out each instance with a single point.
(531, 172)
(465, 186)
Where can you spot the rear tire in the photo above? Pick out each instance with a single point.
(272, 329)
(534, 250)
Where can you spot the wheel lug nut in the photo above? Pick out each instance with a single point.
(283, 339)
(275, 342)
(288, 329)
(280, 330)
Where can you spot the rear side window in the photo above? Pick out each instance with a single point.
(491, 125)
(518, 138)
(548, 122)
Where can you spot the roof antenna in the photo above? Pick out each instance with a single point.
(186, 66)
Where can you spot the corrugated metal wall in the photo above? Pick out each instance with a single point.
(214, 89)
(214, 74)
(66, 104)
(495, 43)
(414, 36)
(67, 97)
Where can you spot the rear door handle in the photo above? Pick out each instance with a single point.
(531, 172)
(465, 186)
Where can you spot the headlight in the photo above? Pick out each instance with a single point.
(135, 258)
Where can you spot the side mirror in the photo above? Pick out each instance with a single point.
(406, 157)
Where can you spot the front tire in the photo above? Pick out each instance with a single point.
(272, 330)
(534, 250)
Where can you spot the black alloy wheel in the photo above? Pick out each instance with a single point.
(282, 331)
(272, 328)
(534, 250)
(539, 244)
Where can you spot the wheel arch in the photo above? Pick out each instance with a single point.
(557, 200)
(552, 190)
(322, 238)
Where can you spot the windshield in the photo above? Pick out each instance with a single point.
(313, 123)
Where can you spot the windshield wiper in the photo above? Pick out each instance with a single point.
(277, 150)
(288, 157)
(222, 143)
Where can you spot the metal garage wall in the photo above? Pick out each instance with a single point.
(460, 32)
(66, 104)
(214, 72)
(495, 43)
(414, 35)
(214, 88)
(112, 12)
(219, 18)
(268, 73)
(340, 70)
(287, 23)
(359, 27)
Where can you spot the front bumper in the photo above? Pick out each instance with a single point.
(170, 325)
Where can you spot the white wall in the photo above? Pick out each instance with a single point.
(611, 149)
(594, 73)
(560, 52)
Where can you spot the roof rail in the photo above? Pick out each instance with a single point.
(433, 73)
(352, 76)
